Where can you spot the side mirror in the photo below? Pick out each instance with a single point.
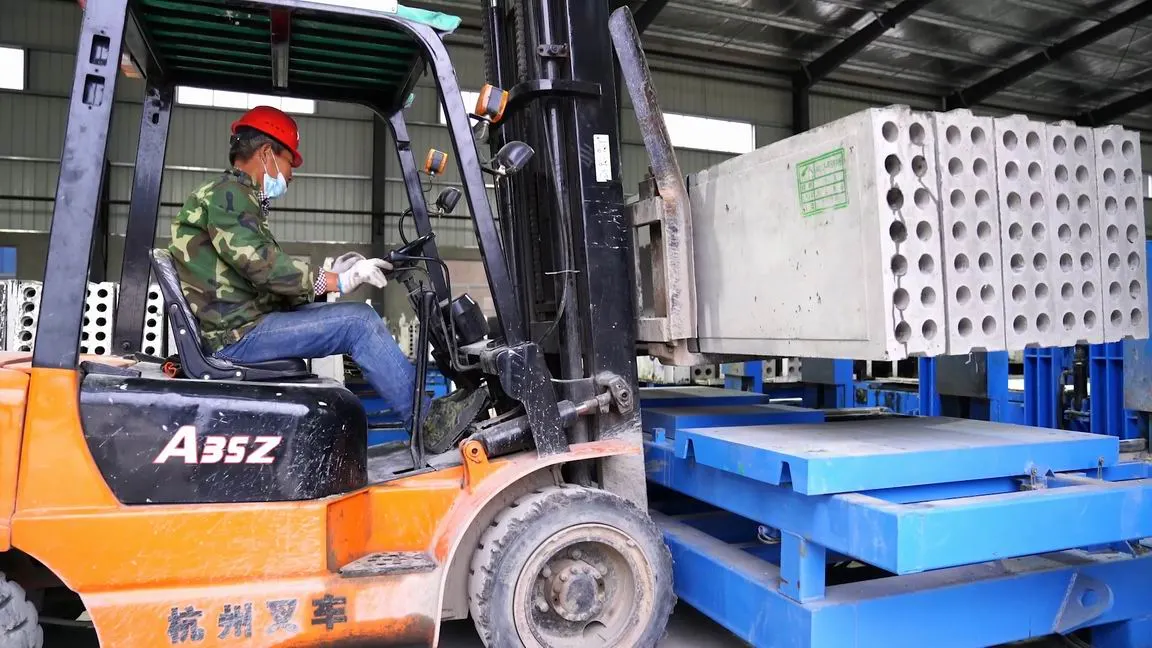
(511, 158)
(446, 201)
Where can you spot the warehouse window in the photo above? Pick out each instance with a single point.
(707, 134)
(190, 96)
(469, 98)
(1148, 185)
(11, 68)
(7, 263)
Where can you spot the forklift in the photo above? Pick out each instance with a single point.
(240, 505)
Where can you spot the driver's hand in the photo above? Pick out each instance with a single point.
(346, 261)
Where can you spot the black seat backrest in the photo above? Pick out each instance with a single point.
(186, 331)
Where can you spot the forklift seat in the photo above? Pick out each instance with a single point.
(186, 331)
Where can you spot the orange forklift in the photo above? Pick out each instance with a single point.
(240, 505)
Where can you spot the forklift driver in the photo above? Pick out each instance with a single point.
(253, 300)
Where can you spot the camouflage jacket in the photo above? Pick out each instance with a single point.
(231, 268)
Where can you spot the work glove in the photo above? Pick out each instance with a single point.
(345, 261)
(369, 271)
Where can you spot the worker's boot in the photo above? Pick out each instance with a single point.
(449, 416)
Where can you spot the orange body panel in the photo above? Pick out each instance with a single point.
(218, 572)
(13, 392)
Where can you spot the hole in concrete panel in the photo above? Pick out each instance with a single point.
(923, 230)
(981, 198)
(1033, 140)
(1034, 171)
(1088, 290)
(903, 332)
(1041, 290)
(1039, 261)
(1081, 173)
(953, 135)
(964, 327)
(1136, 317)
(985, 262)
(100, 321)
(1084, 203)
(1010, 140)
(983, 230)
(1066, 262)
(1036, 200)
(987, 293)
(959, 230)
(1114, 289)
(1117, 318)
(1062, 203)
(1130, 204)
(922, 198)
(988, 325)
(961, 263)
(892, 164)
(928, 329)
(1086, 261)
(957, 198)
(1089, 319)
(1061, 173)
(1011, 171)
(1019, 293)
(980, 167)
(900, 298)
(1132, 233)
(1043, 322)
(1069, 321)
(1017, 262)
(919, 166)
(1133, 261)
(963, 294)
(1020, 324)
(916, 134)
(890, 131)
(895, 198)
(1085, 231)
(1133, 289)
(1113, 261)
(101, 307)
(1064, 233)
(1038, 231)
(955, 166)
(1127, 149)
(1013, 201)
(100, 335)
(899, 265)
(1107, 148)
(102, 293)
(898, 232)
(927, 296)
(1059, 144)
(1110, 205)
(1113, 233)
(927, 263)
(978, 136)
(1080, 144)
(1129, 176)
(1109, 177)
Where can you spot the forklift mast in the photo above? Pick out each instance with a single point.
(567, 241)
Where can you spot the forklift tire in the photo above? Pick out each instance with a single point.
(571, 567)
(19, 623)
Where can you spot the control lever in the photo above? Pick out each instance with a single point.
(404, 255)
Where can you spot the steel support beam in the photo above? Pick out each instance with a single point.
(981, 90)
(1113, 111)
(801, 112)
(140, 236)
(827, 63)
(281, 24)
(648, 12)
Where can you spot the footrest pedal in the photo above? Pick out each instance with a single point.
(388, 563)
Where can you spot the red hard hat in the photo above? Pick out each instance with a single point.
(276, 124)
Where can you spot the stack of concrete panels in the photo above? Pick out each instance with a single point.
(23, 313)
(1118, 177)
(99, 306)
(155, 321)
(973, 284)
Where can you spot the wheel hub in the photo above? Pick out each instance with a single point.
(575, 586)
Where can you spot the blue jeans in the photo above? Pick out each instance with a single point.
(319, 330)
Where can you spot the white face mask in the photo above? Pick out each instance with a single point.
(276, 187)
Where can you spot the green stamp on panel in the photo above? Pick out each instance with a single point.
(822, 183)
